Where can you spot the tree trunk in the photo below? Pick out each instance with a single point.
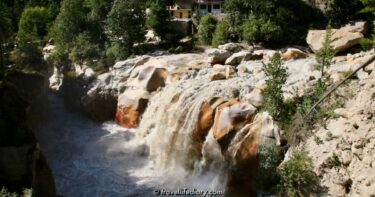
(2, 68)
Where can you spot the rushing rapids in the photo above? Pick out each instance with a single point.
(197, 128)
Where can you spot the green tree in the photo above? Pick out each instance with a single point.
(158, 19)
(206, 29)
(297, 177)
(126, 23)
(325, 55)
(221, 35)
(69, 23)
(273, 95)
(5, 33)
(33, 24)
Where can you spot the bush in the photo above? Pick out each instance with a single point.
(33, 24)
(221, 35)
(206, 29)
(83, 49)
(260, 30)
(297, 177)
(28, 54)
(273, 95)
(269, 159)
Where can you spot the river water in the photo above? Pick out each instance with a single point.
(90, 159)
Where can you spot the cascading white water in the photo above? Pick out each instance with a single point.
(167, 129)
(92, 159)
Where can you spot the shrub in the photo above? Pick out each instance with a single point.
(28, 54)
(325, 55)
(83, 49)
(297, 177)
(206, 29)
(221, 35)
(332, 161)
(273, 95)
(260, 30)
(269, 159)
(33, 23)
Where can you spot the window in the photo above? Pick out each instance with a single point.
(216, 6)
(203, 7)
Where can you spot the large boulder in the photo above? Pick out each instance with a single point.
(237, 58)
(243, 153)
(130, 107)
(229, 117)
(344, 38)
(206, 117)
(100, 104)
(255, 97)
(151, 78)
(217, 56)
(232, 47)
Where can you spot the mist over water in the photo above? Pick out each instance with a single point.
(93, 159)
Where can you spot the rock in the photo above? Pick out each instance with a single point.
(359, 26)
(244, 153)
(100, 104)
(14, 163)
(261, 131)
(152, 78)
(133, 62)
(237, 58)
(217, 56)
(130, 107)
(217, 76)
(266, 54)
(344, 38)
(206, 117)
(292, 54)
(56, 80)
(229, 116)
(346, 157)
(229, 72)
(232, 47)
(255, 98)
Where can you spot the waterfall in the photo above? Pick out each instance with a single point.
(167, 132)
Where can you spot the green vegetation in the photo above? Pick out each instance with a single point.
(332, 162)
(221, 35)
(297, 177)
(158, 19)
(260, 30)
(293, 17)
(273, 95)
(369, 8)
(126, 23)
(269, 159)
(206, 29)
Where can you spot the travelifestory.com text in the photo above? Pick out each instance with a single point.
(187, 192)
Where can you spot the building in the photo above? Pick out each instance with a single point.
(214, 7)
(183, 9)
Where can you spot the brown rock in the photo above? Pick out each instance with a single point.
(292, 54)
(229, 116)
(152, 78)
(206, 116)
(344, 38)
(217, 56)
(130, 109)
